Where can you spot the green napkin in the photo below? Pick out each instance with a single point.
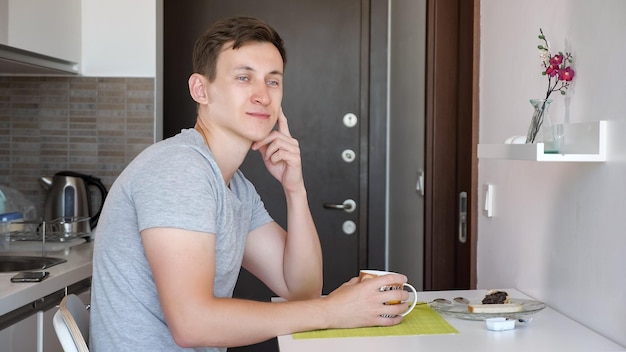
(421, 321)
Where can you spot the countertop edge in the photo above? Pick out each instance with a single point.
(77, 268)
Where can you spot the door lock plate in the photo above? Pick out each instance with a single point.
(348, 227)
(348, 155)
(350, 120)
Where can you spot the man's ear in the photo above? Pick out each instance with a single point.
(198, 87)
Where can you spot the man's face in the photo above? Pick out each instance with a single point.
(245, 97)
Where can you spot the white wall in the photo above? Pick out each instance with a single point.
(119, 38)
(558, 232)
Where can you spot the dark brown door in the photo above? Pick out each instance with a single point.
(324, 81)
(336, 53)
(451, 139)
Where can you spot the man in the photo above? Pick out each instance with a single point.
(181, 220)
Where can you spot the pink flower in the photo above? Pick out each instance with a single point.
(556, 68)
(556, 60)
(566, 74)
(552, 70)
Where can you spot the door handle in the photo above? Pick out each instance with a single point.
(463, 217)
(348, 206)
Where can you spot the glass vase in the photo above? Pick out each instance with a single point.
(540, 129)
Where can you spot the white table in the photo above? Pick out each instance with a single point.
(548, 331)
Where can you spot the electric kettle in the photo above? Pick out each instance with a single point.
(69, 197)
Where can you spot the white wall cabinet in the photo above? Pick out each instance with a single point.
(51, 28)
(39, 37)
(106, 38)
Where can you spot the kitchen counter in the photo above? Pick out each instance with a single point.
(548, 331)
(75, 269)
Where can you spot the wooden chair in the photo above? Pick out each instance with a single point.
(71, 324)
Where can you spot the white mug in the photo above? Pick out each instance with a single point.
(368, 274)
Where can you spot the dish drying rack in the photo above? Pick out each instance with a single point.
(57, 230)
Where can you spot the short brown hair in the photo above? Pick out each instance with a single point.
(238, 30)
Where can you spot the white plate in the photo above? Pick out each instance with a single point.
(457, 310)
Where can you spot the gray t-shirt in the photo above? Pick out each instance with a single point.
(174, 183)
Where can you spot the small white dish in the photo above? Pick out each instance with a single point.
(500, 324)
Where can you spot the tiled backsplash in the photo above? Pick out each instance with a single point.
(90, 125)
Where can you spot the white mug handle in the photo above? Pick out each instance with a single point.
(414, 299)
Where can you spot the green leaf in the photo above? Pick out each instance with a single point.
(540, 47)
(542, 37)
(562, 92)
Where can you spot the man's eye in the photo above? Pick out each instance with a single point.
(273, 83)
(242, 78)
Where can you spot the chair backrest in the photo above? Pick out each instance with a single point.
(71, 324)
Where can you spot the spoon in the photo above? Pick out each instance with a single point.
(461, 300)
(436, 300)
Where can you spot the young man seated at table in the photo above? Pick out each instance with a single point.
(181, 220)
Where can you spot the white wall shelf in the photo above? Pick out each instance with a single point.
(583, 142)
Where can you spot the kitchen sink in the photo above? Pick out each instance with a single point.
(22, 263)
